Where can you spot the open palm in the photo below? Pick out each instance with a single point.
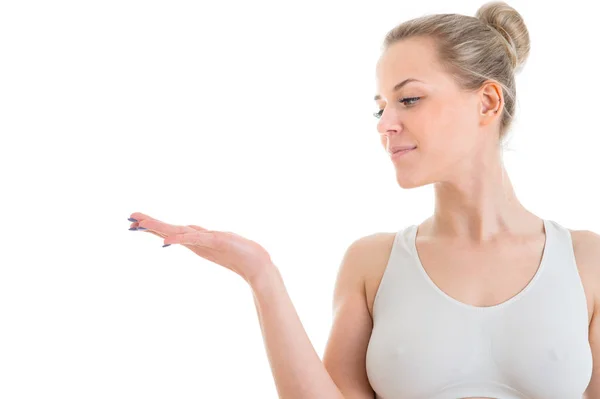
(238, 254)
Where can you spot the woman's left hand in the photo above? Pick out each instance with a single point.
(245, 257)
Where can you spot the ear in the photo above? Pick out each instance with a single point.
(491, 101)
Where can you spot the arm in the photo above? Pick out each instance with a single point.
(587, 251)
(346, 350)
(593, 389)
(296, 367)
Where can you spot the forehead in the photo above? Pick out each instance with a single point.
(411, 58)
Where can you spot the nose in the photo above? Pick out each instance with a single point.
(389, 122)
(389, 127)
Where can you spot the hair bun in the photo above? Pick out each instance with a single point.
(511, 26)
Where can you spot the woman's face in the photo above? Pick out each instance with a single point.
(444, 122)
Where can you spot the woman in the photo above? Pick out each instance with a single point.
(482, 299)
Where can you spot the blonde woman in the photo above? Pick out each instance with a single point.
(483, 299)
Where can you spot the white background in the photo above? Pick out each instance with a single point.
(252, 117)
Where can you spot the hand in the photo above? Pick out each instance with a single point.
(240, 255)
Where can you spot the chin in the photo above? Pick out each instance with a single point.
(406, 181)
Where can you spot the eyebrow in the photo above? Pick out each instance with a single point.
(399, 86)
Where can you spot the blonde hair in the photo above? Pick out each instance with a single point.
(493, 45)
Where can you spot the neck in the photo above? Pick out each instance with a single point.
(477, 203)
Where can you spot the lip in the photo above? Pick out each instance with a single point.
(401, 152)
(395, 148)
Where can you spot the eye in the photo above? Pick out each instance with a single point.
(378, 114)
(402, 100)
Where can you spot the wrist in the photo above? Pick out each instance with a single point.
(267, 277)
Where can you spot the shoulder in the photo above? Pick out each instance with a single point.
(358, 264)
(375, 240)
(366, 251)
(586, 245)
(365, 256)
(374, 247)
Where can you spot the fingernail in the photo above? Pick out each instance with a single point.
(166, 245)
(133, 228)
(142, 228)
(132, 220)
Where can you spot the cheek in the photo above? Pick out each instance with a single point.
(452, 118)
(446, 130)
(438, 124)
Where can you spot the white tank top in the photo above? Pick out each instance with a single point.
(427, 345)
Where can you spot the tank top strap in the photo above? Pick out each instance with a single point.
(400, 279)
(561, 258)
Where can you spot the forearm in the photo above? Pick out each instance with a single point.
(592, 392)
(297, 369)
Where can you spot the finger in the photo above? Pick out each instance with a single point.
(165, 228)
(135, 227)
(141, 216)
(200, 238)
(137, 217)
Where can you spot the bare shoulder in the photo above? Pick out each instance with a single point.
(376, 240)
(587, 242)
(586, 246)
(368, 252)
(357, 260)
(373, 252)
